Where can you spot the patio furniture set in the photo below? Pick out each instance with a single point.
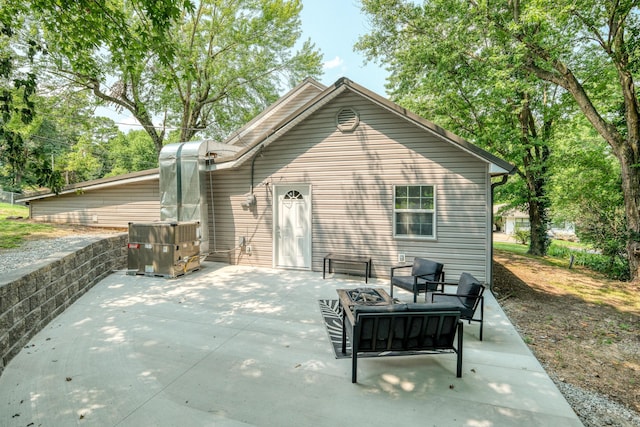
(378, 325)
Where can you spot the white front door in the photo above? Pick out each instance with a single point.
(292, 226)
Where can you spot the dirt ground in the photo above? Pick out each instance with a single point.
(583, 328)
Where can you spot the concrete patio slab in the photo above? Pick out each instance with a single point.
(241, 346)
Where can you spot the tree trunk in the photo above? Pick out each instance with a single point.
(626, 150)
(629, 156)
(538, 219)
(535, 173)
(631, 190)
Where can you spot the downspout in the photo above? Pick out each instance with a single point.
(251, 198)
(493, 186)
(253, 165)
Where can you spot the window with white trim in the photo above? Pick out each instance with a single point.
(414, 211)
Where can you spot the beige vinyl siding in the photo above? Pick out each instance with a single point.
(232, 221)
(106, 207)
(352, 177)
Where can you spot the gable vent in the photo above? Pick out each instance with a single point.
(347, 120)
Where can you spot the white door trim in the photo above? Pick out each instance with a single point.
(292, 243)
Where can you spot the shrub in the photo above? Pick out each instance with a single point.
(613, 267)
(522, 235)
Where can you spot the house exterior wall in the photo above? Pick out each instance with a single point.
(352, 177)
(512, 224)
(106, 207)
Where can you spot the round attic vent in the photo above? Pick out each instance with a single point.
(347, 120)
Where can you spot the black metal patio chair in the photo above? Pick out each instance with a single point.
(467, 298)
(425, 277)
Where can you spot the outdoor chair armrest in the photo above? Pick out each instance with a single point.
(399, 267)
(440, 294)
(349, 313)
(439, 283)
(442, 283)
(346, 314)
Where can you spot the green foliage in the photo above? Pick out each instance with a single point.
(131, 152)
(606, 231)
(588, 190)
(204, 67)
(83, 162)
(591, 181)
(79, 30)
(613, 267)
(447, 65)
(17, 107)
(63, 144)
(522, 235)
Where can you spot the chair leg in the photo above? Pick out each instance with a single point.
(481, 316)
(391, 283)
(344, 333)
(354, 366)
(459, 364)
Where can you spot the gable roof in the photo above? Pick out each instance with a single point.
(258, 127)
(497, 166)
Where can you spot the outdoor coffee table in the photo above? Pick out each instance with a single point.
(363, 296)
(349, 298)
(347, 259)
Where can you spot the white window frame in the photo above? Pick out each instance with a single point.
(432, 211)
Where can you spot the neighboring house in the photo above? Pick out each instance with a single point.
(563, 230)
(510, 220)
(341, 169)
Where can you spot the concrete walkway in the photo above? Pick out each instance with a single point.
(238, 346)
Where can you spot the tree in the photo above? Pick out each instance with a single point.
(204, 69)
(17, 89)
(446, 67)
(588, 192)
(131, 152)
(586, 47)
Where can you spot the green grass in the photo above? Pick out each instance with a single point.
(561, 246)
(511, 247)
(12, 231)
(561, 251)
(570, 245)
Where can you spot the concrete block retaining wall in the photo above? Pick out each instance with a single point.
(32, 297)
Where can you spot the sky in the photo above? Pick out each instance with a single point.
(334, 26)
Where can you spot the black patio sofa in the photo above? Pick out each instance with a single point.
(401, 330)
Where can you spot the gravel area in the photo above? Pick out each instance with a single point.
(596, 410)
(593, 409)
(32, 251)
